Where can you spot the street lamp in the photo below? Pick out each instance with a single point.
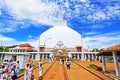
(4, 48)
(82, 57)
(82, 40)
(45, 42)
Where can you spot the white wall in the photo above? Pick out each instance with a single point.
(7, 57)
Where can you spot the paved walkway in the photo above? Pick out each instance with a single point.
(59, 72)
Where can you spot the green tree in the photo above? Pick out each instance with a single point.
(6, 48)
(95, 50)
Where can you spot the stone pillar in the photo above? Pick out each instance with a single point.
(82, 56)
(33, 56)
(88, 56)
(96, 57)
(78, 56)
(37, 57)
(99, 58)
(85, 56)
(74, 56)
(42, 56)
(116, 63)
(46, 56)
(104, 64)
(92, 56)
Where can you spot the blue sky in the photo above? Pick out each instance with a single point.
(22, 21)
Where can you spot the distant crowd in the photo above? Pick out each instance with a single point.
(9, 70)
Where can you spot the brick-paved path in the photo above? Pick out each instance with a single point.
(75, 73)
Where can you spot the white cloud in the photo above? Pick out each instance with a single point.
(97, 26)
(102, 40)
(91, 33)
(30, 36)
(5, 40)
(0, 13)
(83, 0)
(32, 9)
(98, 16)
(8, 41)
(1, 5)
(45, 11)
(7, 29)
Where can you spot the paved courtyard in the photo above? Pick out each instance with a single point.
(57, 71)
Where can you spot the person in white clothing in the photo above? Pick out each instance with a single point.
(4, 76)
(17, 68)
(26, 72)
(12, 74)
(40, 62)
(9, 66)
(30, 71)
(40, 69)
(1, 70)
(68, 63)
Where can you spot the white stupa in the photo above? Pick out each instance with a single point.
(60, 34)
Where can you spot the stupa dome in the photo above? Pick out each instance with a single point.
(60, 32)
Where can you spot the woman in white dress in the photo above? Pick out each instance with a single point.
(30, 71)
(26, 72)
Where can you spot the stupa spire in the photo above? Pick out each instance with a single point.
(60, 14)
(60, 21)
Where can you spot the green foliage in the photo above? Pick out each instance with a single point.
(35, 64)
(95, 50)
(6, 48)
(90, 67)
(109, 59)
(21, 71)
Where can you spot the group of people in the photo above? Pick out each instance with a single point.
(28, 71)
(9, 70)
(68, 62)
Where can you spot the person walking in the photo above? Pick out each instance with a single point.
(26, 72)
(40, 71)
(68, 63)
(30, 71)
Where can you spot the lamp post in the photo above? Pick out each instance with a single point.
(4, 48)
(45, 42)
(82, 57)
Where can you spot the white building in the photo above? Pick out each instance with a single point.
(60, 36)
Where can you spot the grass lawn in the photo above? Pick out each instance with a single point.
(90, 67)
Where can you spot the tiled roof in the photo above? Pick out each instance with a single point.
(30, 48)
(25, 45)
(108, 51)
(112, 48)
